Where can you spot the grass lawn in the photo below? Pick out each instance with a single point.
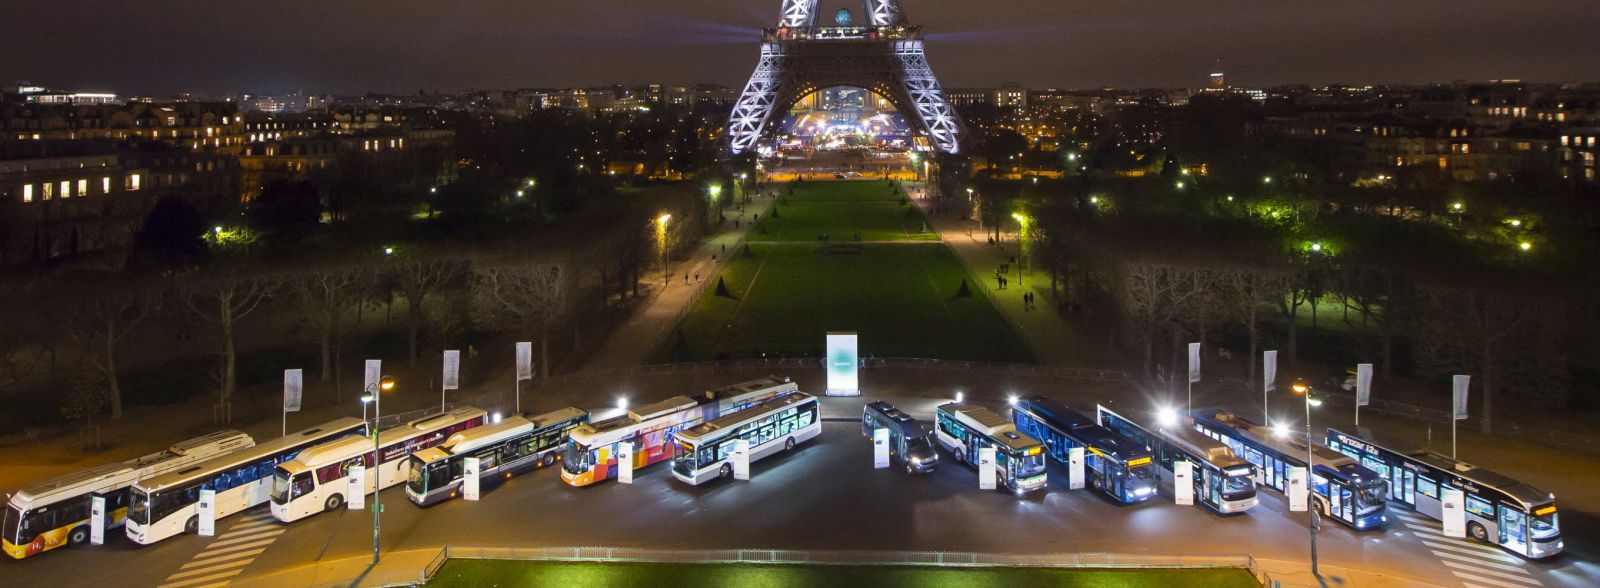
(493, 573)
(875, 209)
(901, 298)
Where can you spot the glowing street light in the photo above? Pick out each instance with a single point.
(1516, 222)
(661, 242)
(1266, 180)
(1457, 206)
(960, 397)
(1167, 416)
(1011, 399)
(1280, 430)
(622, 402)
(388, 251)
(1316, 248)
(1525, 246)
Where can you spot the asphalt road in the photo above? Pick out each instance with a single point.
(824, 496)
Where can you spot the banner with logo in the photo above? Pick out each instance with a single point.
(293, 383)
(452, 369)
(1298, 500)
(986, 468)
(843, 364)
(1363, 383)
(525, 360)
(1194, 362)
(97, 520)
(355, 490)
(1269, 370)
(1460, 404)
(880, 448)
(208, 512)
(1453, 512)
(741, 460)
(1075, 468)
(469, 478)
(1183, 483)
(625, 462)
(371, 374)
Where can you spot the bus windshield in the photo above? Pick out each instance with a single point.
(1030, 465)
(1370, 496)
(139, 507)
(1545, 526)
(1142, 472)
(578, 458)
(683, 458)
(916, 443)
(280, 487)
(1238, 487)
(416, 480)
(12, 518)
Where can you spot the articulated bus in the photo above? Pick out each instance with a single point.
(315, 480)
(591, 456)
(963, 429)
(1117, 466)
(909, 441)
(1340, 488)
(504, 449)
(167, 505)
(1513, 515)
(702, 453)
(54, 513)
(1222, 481)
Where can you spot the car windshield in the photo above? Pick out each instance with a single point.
(1545, 526)
(1369, 496)
(577, 458)
(280, 487)
(12, 517)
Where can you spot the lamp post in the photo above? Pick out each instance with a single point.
(1022, 247)
(661, 240)
(1304, 390)
(375, 396)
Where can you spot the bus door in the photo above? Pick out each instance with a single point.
(1209, 489)
(1402, 483)
(1513, 528)
(1117, 472)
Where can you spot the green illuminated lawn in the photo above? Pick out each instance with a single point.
(487, 573)
(901, 298)
(875, 209)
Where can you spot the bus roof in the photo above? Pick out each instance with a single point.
(348, 447)
(558, 416)
(731, 422)
(476, 437)
(116, 475)
(990, 424)
(756, 385)
(895, 419)
(1055, 414)
(1291, 447)
(1523, 492)
(1198, 444)
(665, 407)
(240, 456)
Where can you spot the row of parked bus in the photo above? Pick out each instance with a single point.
(1352, 479)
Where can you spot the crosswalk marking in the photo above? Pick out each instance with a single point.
(214, 559)
(1482, 580)
(1477, 570)
(201, 580)
(1464, 549)
(1477, 562)
(271, 533)
(214, 552)
(211, 569)
(229, 554)
(1474, 564)
(254, 524)
(236, 532)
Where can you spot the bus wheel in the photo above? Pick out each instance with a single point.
(789, 445)
(727, 471)
(333, 503)
(549, 459)
(78, 536)
(192, 526)
(1477, 531)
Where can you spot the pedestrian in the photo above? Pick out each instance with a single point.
(685, 277)
(725, 245)
(697, 277)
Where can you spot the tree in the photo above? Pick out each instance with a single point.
(418, 280)
(1153, 296)
(100, 324)
(85, 399)
(224, 302)
(172, 235)
(1247, 291)
(324, 296)
(527, 298)
(285, 211)
(1495, 330)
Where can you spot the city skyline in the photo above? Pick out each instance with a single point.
(354, 47)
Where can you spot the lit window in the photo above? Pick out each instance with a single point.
(133, 182)
(66, 189)
(27, 192)
(83, 187)
(105, 185)
(49, 190)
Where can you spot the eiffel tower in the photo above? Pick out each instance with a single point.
(885, 56)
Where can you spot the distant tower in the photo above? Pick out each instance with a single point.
(1219, 82)
(884, 55)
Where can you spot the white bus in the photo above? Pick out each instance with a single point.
(963, 429)
(54, 513)
(167, 505)
(507, 448)
(704, 452)
(314, 481)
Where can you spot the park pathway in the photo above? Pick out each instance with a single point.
(633, 343)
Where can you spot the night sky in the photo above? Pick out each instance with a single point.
(164, 46)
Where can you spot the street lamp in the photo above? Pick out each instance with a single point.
(1304, 390)
(374, 394)
(661, 240)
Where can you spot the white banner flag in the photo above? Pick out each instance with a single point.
(469, 478)
(355, 488)
(1460, 404)
(373, 373)
(1363, 383)
(97, 520)
(525, 360)
(986, 468)
(1183, 482)
(292, 388)
(880, 448)
(741, 460)
(1194, 362)
(452, 369)
(208, 512)
(1269, 370)
(1453, 512)
(625, 462)
(1075, 468)
(1298, 499)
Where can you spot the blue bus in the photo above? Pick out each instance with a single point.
(1500, 510)
(1341, 489)
(1222, 481)
(1117, 466)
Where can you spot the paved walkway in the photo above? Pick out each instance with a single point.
(635, 341)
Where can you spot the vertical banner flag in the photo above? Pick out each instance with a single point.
(1183, 482)
(293, 384)
(97, 520)
(469, 478)
(355, 491)
(1460, 405)
(1297, 489)
(371, 375)
(986, 467)
(741, 460)
(1269, 370)
(1363, 383)
(208, 512)
(1075, 468)
(625, 462)
(1453, 512)
(880, 448)
(452, 369)
(1194, 362)
(525, 360)
(843, 364)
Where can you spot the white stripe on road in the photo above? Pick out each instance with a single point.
(1410, 516)
(1478, 562)
(253, 537)
(252, 524)
(212, 569)
(211, 559)
(1472, 544)
(201, 580)
(1474, 551)
(261, 543)
(1482, 580)
(1513, 577)
(239, 533)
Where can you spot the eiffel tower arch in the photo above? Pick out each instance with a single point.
(885, 56)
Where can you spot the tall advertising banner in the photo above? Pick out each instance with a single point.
(1194, 362)
(741, 460)
(97, 520)
(293, 387)
(524, 360)
(372, 372)
(1269, 370)
(880, 448)
(208, 512)
(1363, 384)
(986, 468)
(1075, 468)
(1183, 483)
(355, 493)
(452, 369)
(843, 365)
(1297, 489)
(469, 478)
(625, 462)
(1453, 512)
(1459, 404)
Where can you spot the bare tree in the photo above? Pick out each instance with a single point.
(417, 280)
(1153, 296)
(224, 302)
(1466, 328)
(324, 296)
(1248, 292)
(527, 298)
(100, 324)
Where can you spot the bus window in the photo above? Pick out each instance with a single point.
(1427, 486)
(1544, 526)
(1479, 506)
(302, 485)
(1513, 531)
